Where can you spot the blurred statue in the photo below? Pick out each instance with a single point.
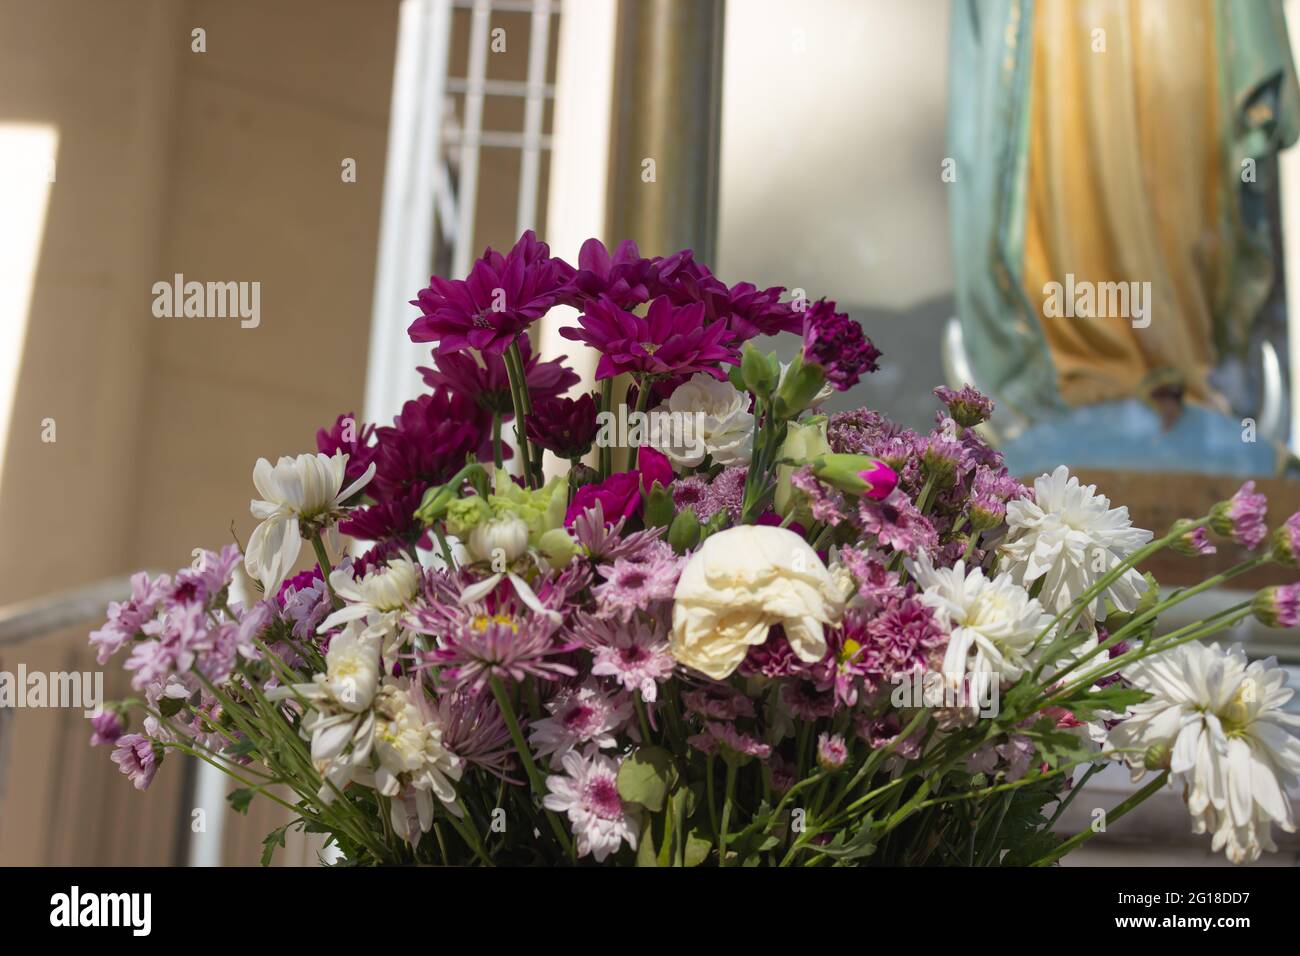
(1111, 206)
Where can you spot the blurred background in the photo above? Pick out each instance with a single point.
(933, 165)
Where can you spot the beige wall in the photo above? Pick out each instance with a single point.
(222, 165)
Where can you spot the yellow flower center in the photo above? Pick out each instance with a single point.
(483, 621)
(1236, 715)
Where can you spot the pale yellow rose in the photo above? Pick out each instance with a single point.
(742, 582)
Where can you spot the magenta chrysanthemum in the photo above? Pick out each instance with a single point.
(353, 439)
(500, 298)
(488, 383)
(426, 444)
(668, 341)
(565, 426)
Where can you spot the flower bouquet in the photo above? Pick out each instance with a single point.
(714, 627)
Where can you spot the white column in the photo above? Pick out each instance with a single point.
(584, 84)
(411, 178)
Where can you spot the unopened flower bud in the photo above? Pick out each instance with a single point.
(1277, 606)
(832, 753)
(684, 532)
(1192, 539)
(558, 547)
(498, 538)
(1156, 757)
(1286, 542)
(857, 474)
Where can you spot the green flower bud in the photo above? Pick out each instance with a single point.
(804, 443)
(558, 547)
(1156, 757)
(659, 508)
(798, 389)
(684, 532)
(756, 371)
(857, 474)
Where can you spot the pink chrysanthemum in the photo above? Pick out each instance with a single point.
(806, 701)
(826, 504)
(897, 524)
(718, 702)
(475, 731)
(773, 658)
(1278, 606)
(126, 619)
(635, 654)
(1286, 541)
(135, 756)
(638, 582)
(503, 647)
(832, 752)
(587, 793)
(579, 715)
(731, 742)
(107, 727)
(1241, 517)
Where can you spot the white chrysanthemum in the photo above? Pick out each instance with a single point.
(1219, 721)
(588, 793)
(992, 623)
(718, 416)
(414, 766)
(298, 494)
(1070, 536)
(340, 724)
(378, 597)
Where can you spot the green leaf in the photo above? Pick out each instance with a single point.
(1114, 699)
(646, 776)
(240, 799)
(245, 748)
(170, 706)
(645, 848)
(273, 839)
(698, 848)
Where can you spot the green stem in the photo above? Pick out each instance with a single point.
(1086, 835)
(713, 807)
(526, 757)
(519, 398)
(643, 387)
(498, 456)
(323, 561)
(727, 799)
(605, 457)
